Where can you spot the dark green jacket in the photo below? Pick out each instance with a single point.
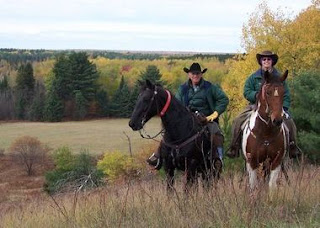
(207, 99)
(253, 85)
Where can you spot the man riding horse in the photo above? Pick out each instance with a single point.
(266, 60)
(207, 99)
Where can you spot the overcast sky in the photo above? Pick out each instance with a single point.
(148, 25)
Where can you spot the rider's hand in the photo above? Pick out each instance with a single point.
(213, 116)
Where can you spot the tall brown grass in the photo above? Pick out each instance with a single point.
(145, 203)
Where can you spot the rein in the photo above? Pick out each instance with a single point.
(177, 147)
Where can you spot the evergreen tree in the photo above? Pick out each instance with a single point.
(121, 102)
(37, 106)
(53, 108)
(305, 112)
(62, 78)
(25, 78)
(103, 102)
(72, 76)
(84, 75)
(152, 73)
(81, 105)
(4, 84)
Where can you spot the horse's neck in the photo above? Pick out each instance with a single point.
(177, 122)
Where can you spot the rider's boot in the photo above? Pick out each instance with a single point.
(217, 149)
(294, 150)
(233, 152)
(218, 161)
(154, 160)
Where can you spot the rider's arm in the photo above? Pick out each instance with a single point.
(220, 98)
(249, 91)
(178, 95)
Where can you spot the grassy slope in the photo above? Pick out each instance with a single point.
(97, 136)
(146, 204)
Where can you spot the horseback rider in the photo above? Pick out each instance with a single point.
(267, 60)
(208, 99)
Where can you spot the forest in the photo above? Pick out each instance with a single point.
(49, 85)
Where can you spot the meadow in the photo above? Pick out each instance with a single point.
(143, 201)
(97, 136)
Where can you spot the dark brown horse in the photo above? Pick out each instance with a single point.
(264, 141)
(185, 145)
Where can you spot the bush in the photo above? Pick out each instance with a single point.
(73, 172)
(118, 165)
(29, 152)
(305, 111)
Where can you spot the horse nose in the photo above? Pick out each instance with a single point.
(131, 124)
(277, 122)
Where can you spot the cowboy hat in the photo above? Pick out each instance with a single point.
(194, 68)
(270, 54)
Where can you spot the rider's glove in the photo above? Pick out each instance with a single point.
(213, 116)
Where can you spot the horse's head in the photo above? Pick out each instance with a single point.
(271, 97)
(150, 99)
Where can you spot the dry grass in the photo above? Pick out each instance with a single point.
(146, 204)
(98, 136)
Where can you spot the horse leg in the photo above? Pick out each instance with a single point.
(252, 176)
(191, 177)
(170, 179)
(274, 177)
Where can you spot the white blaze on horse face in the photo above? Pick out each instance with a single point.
(276, 94)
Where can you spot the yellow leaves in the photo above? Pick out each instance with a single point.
(116, 164)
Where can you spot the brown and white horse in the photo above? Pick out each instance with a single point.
(264, 141)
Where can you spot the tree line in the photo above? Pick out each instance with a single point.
(70, 92)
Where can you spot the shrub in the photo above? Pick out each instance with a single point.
(28, 151)
(116, 165)
(72, 172)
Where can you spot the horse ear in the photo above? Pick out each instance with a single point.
(284, 76)
(149, 84)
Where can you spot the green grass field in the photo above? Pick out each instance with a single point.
(98, 136)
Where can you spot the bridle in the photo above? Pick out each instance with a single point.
(268, 111)
(161, 113)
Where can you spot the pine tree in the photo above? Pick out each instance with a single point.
(74, 75)
(4, 84)
(305, 112)
(121, 102)
(25, 78)
(81, 105)
(152, 73)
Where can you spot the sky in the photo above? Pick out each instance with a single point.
(134, 25)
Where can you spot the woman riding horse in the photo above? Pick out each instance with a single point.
(267, 60)
(265, 138)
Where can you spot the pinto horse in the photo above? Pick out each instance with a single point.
(185, 145)
(264, 141)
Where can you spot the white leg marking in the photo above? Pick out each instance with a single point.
(252, 177)
(273, 177)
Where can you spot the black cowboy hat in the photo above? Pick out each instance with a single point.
(195, 68)
(270, 54)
